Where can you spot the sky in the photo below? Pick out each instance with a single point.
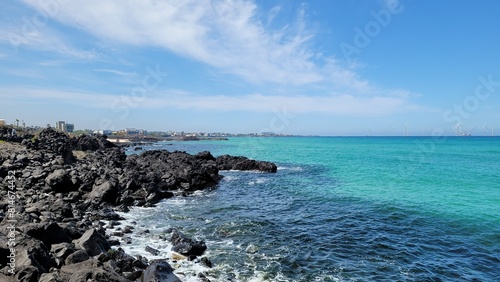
(343, 67)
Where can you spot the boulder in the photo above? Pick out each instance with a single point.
(159, 271)
(206, 262)
(187, 246)
(205, 155)
(109, 214)
(47, 232)
(91, 143)
(32, 252)
(93, 243)
(90, 270)
(59, 181)
(106, 192)
(77, 257)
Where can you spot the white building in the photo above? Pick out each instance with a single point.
(61, 126)
(65, 127)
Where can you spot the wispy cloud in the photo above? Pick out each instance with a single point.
(336, 104)
(28, 35)
(225, 34)
(117, 72)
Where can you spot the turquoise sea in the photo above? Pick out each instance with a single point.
(346, 209)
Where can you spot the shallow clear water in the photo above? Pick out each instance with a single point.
(347, 209)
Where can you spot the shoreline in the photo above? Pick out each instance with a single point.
(62, 203)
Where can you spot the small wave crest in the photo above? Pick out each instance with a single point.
(291, 168)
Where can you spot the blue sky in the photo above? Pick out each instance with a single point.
(349, 67)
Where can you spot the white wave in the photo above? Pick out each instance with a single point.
(292, 168)
(184, 269)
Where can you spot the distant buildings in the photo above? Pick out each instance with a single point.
(2, 122)
(65, 127)
(103, 132)
(135, 131)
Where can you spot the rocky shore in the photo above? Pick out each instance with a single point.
(57, 192)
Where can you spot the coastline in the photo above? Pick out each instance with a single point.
(62, 203)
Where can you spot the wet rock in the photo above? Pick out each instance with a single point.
(109, 214)
(203, 277)
(159, 271)
(185, 245)
(152, 251)
(206, 262)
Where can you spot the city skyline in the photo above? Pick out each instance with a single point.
(290, 67)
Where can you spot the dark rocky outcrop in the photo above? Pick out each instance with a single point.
(187, 246)
(227, 162)
(91, 143)
(61, 200)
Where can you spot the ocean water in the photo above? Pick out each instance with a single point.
(342, 209)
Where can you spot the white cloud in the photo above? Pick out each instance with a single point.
(229, 36)
(43, 38)
(226, 34)
(339, 104)
(117, 72)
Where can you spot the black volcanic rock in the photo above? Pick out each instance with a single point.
(173, 170)
(60, 181)
(60, 202)
(227, 162)
(91, 143)
(159, 271)
(55, 142)
(105, 192)
(47, 232)
(90, 270)
(187, 246)
(76, 257)
(93, 243)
